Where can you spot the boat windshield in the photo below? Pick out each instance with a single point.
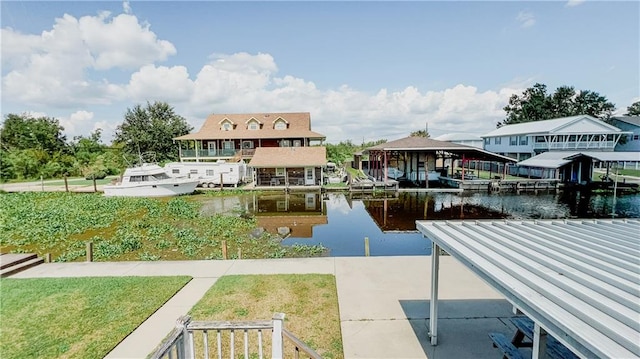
(161, 176)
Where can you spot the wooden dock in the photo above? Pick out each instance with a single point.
(510, 185)
(368, 186)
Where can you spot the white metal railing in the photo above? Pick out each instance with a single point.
(184, 343)
(575, 145)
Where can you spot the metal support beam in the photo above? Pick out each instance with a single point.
(433, 312)
(539, 342)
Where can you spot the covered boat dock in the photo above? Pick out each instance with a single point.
(422, 159)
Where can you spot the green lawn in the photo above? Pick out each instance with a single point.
(76, 317)
(620, 171)
(309, 301)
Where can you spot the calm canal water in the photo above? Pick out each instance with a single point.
(340, 222)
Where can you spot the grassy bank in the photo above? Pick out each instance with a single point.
(130, 229)
(76, 317)
(310, 302)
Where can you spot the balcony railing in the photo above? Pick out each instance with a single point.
(575, 145)
(248, 151)
(209, 153)
(184, 343)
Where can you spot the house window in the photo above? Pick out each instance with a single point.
(524, 140)
(540, 139)
(210, 173)
(497, 140)
(247, 144)
(226, 126)
(513, 140)
(253, 125)
(285, 143)
(635, 137)
(280, 125)
(193, 172)
(175, 171)
(487, 141)
(227, 145)
(280, 172)
(297, 143)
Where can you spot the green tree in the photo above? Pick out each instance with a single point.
(634, 109)
(420, 133)
(536, 104)
(32, 147)
(24, 132)
(341, 152)
(86, 149)
(151, 129)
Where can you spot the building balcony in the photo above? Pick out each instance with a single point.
(211, 153)
(575, 145)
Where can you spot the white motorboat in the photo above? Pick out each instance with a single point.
(150, 180)
(394, 173)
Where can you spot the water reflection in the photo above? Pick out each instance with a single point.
(341, 223)
(292, 214)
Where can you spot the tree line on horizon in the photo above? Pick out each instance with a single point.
(33, 148)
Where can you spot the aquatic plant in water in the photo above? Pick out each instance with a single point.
(61, 223)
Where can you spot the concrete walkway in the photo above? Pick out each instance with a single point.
(383, 301)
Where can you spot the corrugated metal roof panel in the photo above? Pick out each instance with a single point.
(573, 124)
(578, 279)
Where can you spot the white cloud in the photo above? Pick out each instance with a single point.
(50, 71)
(573, 3)
(247, 83)
(126, 7)
(160, 83)
(77, 121)
(123, 42)
(51, 68)
(526, 19)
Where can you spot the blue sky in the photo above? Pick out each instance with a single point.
(364, 70)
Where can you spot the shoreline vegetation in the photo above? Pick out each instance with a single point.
(132, 229)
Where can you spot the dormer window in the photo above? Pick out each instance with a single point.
(280, 124)
(226, 125)
(253, 125)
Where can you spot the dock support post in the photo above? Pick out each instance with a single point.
(224, 249)
(89, 251)
(366, 247)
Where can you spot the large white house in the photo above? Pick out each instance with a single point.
(577, 133)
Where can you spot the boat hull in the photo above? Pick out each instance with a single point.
(150, 189)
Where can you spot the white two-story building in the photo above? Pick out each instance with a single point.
(577, 133)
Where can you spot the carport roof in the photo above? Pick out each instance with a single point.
(424, 144)
(557, 159)
(269, 157)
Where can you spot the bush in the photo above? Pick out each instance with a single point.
(96, 175)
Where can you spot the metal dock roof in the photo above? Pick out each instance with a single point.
(578, 279)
